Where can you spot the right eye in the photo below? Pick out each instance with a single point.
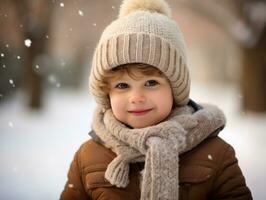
(122, 86)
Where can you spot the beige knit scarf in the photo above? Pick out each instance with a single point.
(158, 145)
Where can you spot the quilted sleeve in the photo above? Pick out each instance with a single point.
(74, 189)
(230, 182)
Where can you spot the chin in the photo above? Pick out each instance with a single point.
(141, 125)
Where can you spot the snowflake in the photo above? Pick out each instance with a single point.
(27, 42)
(11, 81)
(52, 78)
(11, 124)
(62, 4)
(15, 169)
(2, 55)
(81, 13)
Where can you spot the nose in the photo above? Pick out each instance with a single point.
(137, 97)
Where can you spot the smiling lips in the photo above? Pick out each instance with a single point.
(139, 112)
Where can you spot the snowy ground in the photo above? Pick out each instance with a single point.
(36, 147)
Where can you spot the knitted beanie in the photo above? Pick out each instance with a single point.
(143, 33)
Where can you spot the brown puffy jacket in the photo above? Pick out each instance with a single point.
(208, 172)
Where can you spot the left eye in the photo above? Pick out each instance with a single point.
(150, 83)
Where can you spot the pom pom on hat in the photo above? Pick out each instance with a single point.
(159, 6)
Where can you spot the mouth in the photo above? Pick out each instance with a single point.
(140, 112)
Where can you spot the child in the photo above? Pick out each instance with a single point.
(149, 140)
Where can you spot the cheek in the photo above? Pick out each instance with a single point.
(117, 105)
(164, 100)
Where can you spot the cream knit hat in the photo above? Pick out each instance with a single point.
(143, 33)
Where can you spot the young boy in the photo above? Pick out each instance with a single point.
(149, 140)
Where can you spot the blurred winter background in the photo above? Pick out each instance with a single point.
(45, 109)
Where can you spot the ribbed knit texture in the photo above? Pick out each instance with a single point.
(142, 37)
(159, 146)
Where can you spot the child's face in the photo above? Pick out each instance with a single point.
(140, 102)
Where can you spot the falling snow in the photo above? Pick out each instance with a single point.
(10, 124)
(2, 55)
(62, 4)
(47, 36)
(37, 66)
(4, 66)
(52, 78)
(46, 129)
(63, 63)
(7, 45)
(113, 7)
(81, 13)
(18, 57)
(70, 185)
(210, 157)
(12, 82)
(94, 24)
(27, 42)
